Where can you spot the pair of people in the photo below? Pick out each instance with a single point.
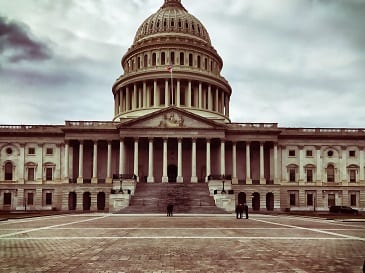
(240, 209)
(170, 208)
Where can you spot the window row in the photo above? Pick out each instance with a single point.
(330, 153)
(29, 198)
(146, 60)
(30, 170)
(311, 199)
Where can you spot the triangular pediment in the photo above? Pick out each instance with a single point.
(172, 117)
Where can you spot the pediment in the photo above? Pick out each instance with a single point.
(173, 118)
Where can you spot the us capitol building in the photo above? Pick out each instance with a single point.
(171, 136)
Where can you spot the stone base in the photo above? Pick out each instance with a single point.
(180, 179)
(194, 179)
(165, 179)
(150, 179)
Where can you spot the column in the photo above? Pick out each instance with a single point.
(210, 101)
(94, 179)
(301, 165)
(116, 103)
(150, 178)
(223, 161)
(155, 96)
(66, 174)
(121, 156)
(109, 164)
(135, 166)
(80, 179)
(248, 164)
(343, 165)
(178, 93)
(361, 171)
(319, 165)
(144, 99)
(223, 102)
(165, 179)
(189, 94)
(180, 178)
(276, 180)
(262, 167)
(217, 100)
(21, 163)
(208, 161)
(234, 163)
(194, 178)
(127, 99)
(134, 97)
(167, 92)
(200, 98)
(227, 106)
(121, 99)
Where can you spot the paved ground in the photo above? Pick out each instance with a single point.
(183, 243)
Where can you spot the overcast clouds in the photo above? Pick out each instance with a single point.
(300, 63)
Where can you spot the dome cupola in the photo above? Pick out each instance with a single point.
(173, 38)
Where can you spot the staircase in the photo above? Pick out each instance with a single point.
(186, 198)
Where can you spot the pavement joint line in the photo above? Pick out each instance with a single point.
(30, 219)
(50, 227)
(320, 220)
(314, 230)
(178, 237)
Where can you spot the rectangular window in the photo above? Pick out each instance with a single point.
(352, 153)
(331, 200)
(292, 198)
(30, 198)
(291, 152)
(352, 176)
(49, 174)
(31, 172)
(49, 151)
(310, 199)
(31, 151)
(309, 153)
(48, 198)
(309, 175)
(292, 175)
(7, 198)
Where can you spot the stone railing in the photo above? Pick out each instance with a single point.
(254, 125)
(323, 131)
(90, 123)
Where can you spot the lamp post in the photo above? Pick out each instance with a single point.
(121, 186)
(223, 191)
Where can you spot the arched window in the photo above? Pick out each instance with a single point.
(163, 58)
(154, 59)
(199, 62)
(139, 63)
(182, 58)
(8, 171)
(172, 57)
(190, 59)
(145, 60)
(330, 173)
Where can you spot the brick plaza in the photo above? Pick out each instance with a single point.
(184, 243)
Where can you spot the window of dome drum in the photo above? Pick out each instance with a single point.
(9, 151)
(330, 153)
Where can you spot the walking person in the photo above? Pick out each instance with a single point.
(245, 207)
(239, 211)
(170, 208)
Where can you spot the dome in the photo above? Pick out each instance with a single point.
(172, 19)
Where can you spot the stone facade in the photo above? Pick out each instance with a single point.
(171, 125)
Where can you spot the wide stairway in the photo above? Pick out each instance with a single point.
(186, 198)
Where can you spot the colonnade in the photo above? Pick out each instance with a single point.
(157, 93)
(192, 166)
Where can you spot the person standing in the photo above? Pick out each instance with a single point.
(239, 211)
(245, 207)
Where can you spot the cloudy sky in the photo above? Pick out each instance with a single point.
(300, 63)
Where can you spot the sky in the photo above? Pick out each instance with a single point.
(298, 63)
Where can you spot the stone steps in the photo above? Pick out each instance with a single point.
(186, 198)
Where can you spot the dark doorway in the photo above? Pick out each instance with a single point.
(270, 201)
(172, 173)
(86, 201)
(256, 201)
(101, 201)
(72, 200)
(241, 198)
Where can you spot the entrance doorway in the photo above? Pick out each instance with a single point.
(101, 201)
(241, 198)
(72, 200)
(86, 201)
(172, 173)
(256, 201)
(270, 201)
